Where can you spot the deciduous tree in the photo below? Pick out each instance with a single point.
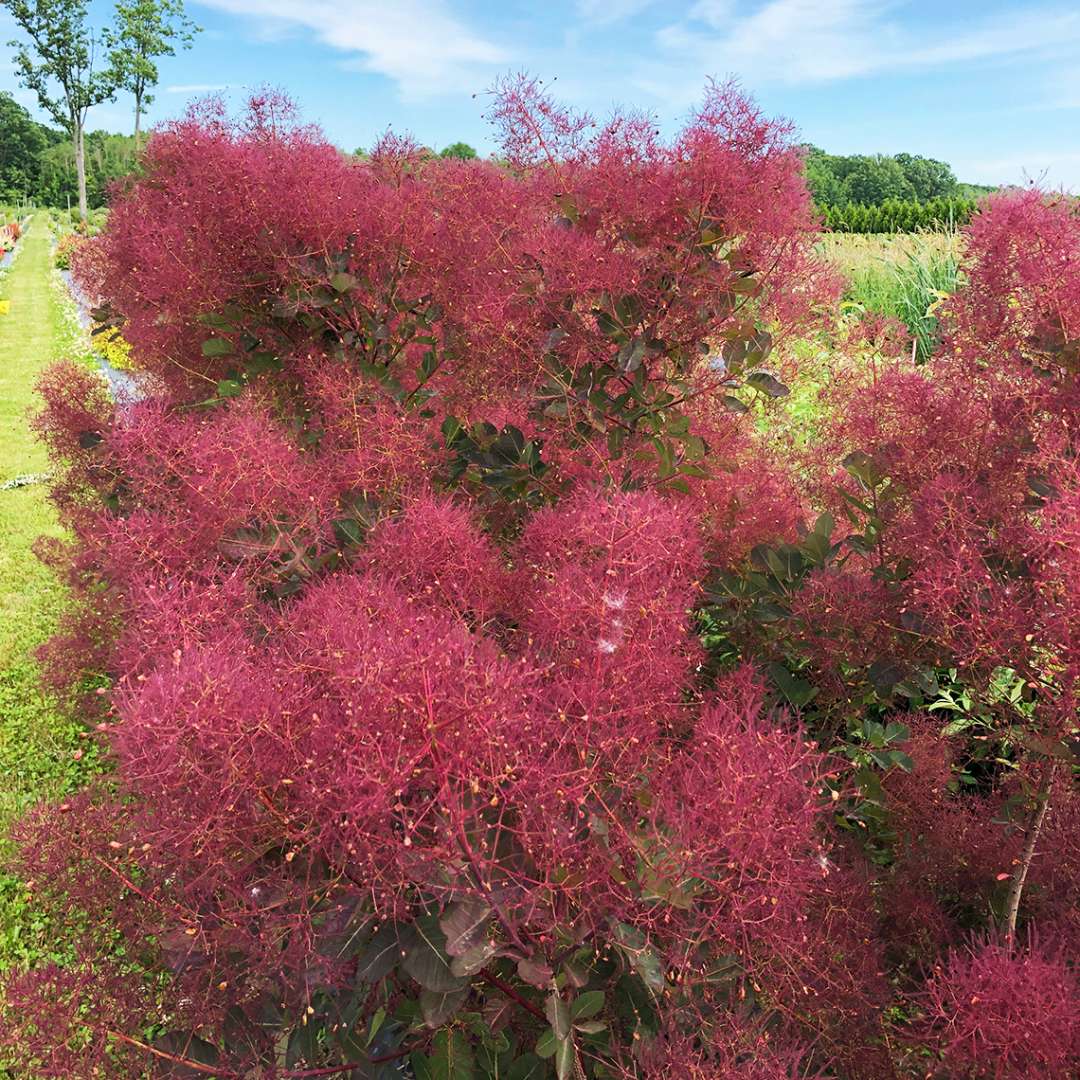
(59, 60)
(146, 30)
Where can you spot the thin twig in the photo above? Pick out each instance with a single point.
(512, 994)
(176, 1059)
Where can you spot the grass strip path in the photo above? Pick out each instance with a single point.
(37, 743)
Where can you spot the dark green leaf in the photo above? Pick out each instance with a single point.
(285, 309)
(568, 207)
(896, 732)
(608, 326)
(258, 362)
(884, 675)
(217, 347)
(528, 1067)
(767, 383)
(429, 364)
(343, 282)
(425, 958)
(185, 1044)
(438, 1008)
(558, 1014)
(635, 1005)
(587, 1004)
(474, 959)
(631, 355)
(451, 429)
(642, 957)
(381, 956)
(451, 1057)
(862, 466)
(228, 388)
(217, 321)
(465, 924)
(348, 532)
(419, 1063)
(797, 691)
(547, 1044)
(591, 1027)
(303, 1046)
(564, 1058)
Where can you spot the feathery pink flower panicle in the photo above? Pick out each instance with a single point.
(1000, 1013)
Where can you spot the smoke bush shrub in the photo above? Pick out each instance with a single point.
(58, 1019)
(397, 573)
(1002, 1014)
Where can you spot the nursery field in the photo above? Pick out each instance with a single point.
(854, 252)
(905, 276)
(543, 621)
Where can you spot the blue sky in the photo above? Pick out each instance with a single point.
(992, 87)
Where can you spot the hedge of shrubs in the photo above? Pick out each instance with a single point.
(490, 694)
(899, 215)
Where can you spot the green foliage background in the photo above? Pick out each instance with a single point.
(37, 163)
(840, 180)
(856, 193)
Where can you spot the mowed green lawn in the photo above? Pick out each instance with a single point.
(38, 744)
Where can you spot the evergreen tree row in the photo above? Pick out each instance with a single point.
(899, 215)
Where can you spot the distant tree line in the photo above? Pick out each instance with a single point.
(871, 180)
(882, 193)
(37, 162)
(461, 150)
(856, 193)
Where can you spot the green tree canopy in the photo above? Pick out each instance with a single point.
(872, 180)
(108, 158)
(22, 142)
(821, 178)
(146, 30)
(458, 150)
(929, 178)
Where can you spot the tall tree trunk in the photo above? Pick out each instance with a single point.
(138, 117)
(80, 169)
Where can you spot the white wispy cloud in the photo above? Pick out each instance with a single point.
(196, 88)
(807, 41)
(1053, 168)
(420, 44)
(606, 12)
(1063, 88)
